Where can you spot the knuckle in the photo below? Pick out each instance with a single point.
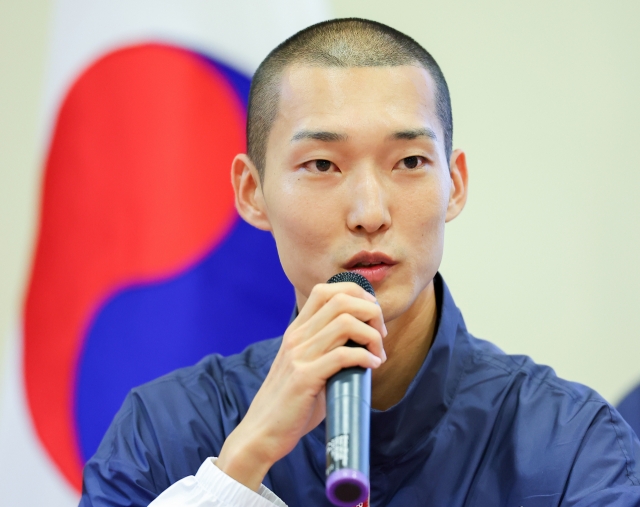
(345, 321)
(340, 299)
(290, 340)
(287, 342)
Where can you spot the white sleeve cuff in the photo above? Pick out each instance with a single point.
(211, 487)
(231, 492)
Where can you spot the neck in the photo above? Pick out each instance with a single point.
(407, 344)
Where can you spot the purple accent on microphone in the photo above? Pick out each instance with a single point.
(349, 480)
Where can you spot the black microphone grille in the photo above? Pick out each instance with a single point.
(350, 276)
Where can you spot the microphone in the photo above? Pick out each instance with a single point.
(347, 424)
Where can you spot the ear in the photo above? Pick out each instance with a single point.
(458, 194)
(248, 190)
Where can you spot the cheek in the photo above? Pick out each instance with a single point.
(432, 229)
(422, 211)
(420, 220)
(302, 228)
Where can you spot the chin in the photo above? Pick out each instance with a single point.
(400, 298)
(394, 305)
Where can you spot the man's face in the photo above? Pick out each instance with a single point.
(356, 173)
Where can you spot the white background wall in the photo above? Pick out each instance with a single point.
(546, 104)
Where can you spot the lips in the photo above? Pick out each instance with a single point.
(374, 266)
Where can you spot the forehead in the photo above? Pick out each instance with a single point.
(353, 97)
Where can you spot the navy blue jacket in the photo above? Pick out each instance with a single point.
(477, 427)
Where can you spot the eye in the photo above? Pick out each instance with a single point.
(319, 165)
(411, 162)
(323, 165)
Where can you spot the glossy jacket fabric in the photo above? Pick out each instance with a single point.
(476, 427)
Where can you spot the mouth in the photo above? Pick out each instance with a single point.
(374, 266)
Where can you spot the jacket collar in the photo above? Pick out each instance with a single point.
(404, 428)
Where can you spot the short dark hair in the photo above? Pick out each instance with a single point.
(346, 42)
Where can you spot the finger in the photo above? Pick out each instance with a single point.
(341, 303)
(343, 357)
(323, 292)
(343, 328)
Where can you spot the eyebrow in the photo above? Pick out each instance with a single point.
(408, 135)
(329, 137)
(319, 135)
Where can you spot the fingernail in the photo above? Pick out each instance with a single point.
(377, 361)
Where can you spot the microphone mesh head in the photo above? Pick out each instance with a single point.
(349, 276)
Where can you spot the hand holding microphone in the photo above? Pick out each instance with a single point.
(291, 400)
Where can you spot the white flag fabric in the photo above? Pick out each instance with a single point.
(144, 106)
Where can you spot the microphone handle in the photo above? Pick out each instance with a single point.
(347, 430)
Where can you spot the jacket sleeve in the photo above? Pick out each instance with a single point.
(127, 470)
(604, 471)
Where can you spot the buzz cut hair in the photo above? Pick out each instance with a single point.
(345, 42)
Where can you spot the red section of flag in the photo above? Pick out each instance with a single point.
(136, 187)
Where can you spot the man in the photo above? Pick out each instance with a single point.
(350, 166)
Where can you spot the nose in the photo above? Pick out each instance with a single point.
(368, 203)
